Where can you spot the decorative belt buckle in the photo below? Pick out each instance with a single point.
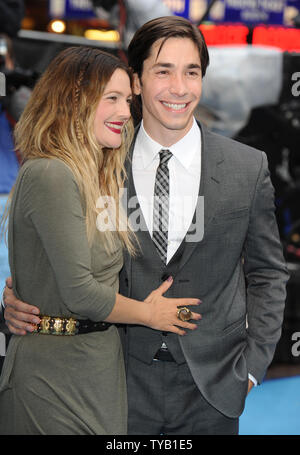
(57, 326)
(45, 325)
(70, 328)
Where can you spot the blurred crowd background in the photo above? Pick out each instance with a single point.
(251, 91)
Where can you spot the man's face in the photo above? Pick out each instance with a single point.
(170, 88)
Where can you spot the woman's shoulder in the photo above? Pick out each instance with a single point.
(47, 171)
(38, 166)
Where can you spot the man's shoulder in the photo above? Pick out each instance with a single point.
(231, 150)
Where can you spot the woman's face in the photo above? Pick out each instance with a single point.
(113, 110)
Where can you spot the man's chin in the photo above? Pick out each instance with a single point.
(178, 125)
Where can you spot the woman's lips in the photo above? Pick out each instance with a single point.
(115, 127)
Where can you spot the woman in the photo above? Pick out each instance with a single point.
(73, 135)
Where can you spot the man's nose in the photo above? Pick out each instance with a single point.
(178, 86)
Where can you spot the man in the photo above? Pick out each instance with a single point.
(231, 259)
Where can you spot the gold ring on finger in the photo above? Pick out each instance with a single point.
(184, 314)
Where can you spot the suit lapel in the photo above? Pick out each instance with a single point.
(211, 159)
(135, 213)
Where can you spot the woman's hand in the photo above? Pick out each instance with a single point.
(163, 311)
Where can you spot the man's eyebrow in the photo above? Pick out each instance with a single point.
(170, 65)
(194, 65)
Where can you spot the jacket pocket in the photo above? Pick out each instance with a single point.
(223, 216)
(234, 326)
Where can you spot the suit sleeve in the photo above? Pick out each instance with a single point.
(266, 277)
(52, 203)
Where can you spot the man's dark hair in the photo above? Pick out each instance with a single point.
(164, 27)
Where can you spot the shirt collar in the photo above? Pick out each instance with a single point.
(190, 144)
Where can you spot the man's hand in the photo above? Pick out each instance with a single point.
(20, 317)
(250, 385)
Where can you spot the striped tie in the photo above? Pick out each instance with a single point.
(161, 205)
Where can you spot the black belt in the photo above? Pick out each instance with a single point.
(164, 355)
(57, 325)
(87, 326)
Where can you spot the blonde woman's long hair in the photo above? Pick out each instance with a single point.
(58, 122)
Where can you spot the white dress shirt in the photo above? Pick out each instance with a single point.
(184, 181)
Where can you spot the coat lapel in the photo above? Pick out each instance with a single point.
(209, 190)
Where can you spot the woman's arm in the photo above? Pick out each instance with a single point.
(52, 202)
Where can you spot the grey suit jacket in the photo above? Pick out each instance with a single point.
(237, 270)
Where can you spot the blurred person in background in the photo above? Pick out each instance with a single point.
(129, 15)
(11, 15)
(9, 164)
(15, 99)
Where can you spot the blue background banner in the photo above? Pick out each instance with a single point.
(79, 9)
(254, 11)
(242, 11)
(71, 9)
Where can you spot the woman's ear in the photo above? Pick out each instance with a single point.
(136, 84)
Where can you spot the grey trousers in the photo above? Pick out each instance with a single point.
(164, 399)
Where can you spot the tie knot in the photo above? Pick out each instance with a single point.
(165, 156)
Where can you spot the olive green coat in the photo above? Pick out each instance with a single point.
(61, 384)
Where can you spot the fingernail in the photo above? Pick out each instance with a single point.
(170, 278)
(36, 320)
(35, 311)
(199, 301)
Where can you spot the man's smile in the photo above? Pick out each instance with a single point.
(178, 107)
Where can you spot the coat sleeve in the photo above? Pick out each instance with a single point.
(266, 277)
(52, 203)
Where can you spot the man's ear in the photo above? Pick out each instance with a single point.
(136, 84)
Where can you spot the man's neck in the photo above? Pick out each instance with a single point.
(164, 136)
